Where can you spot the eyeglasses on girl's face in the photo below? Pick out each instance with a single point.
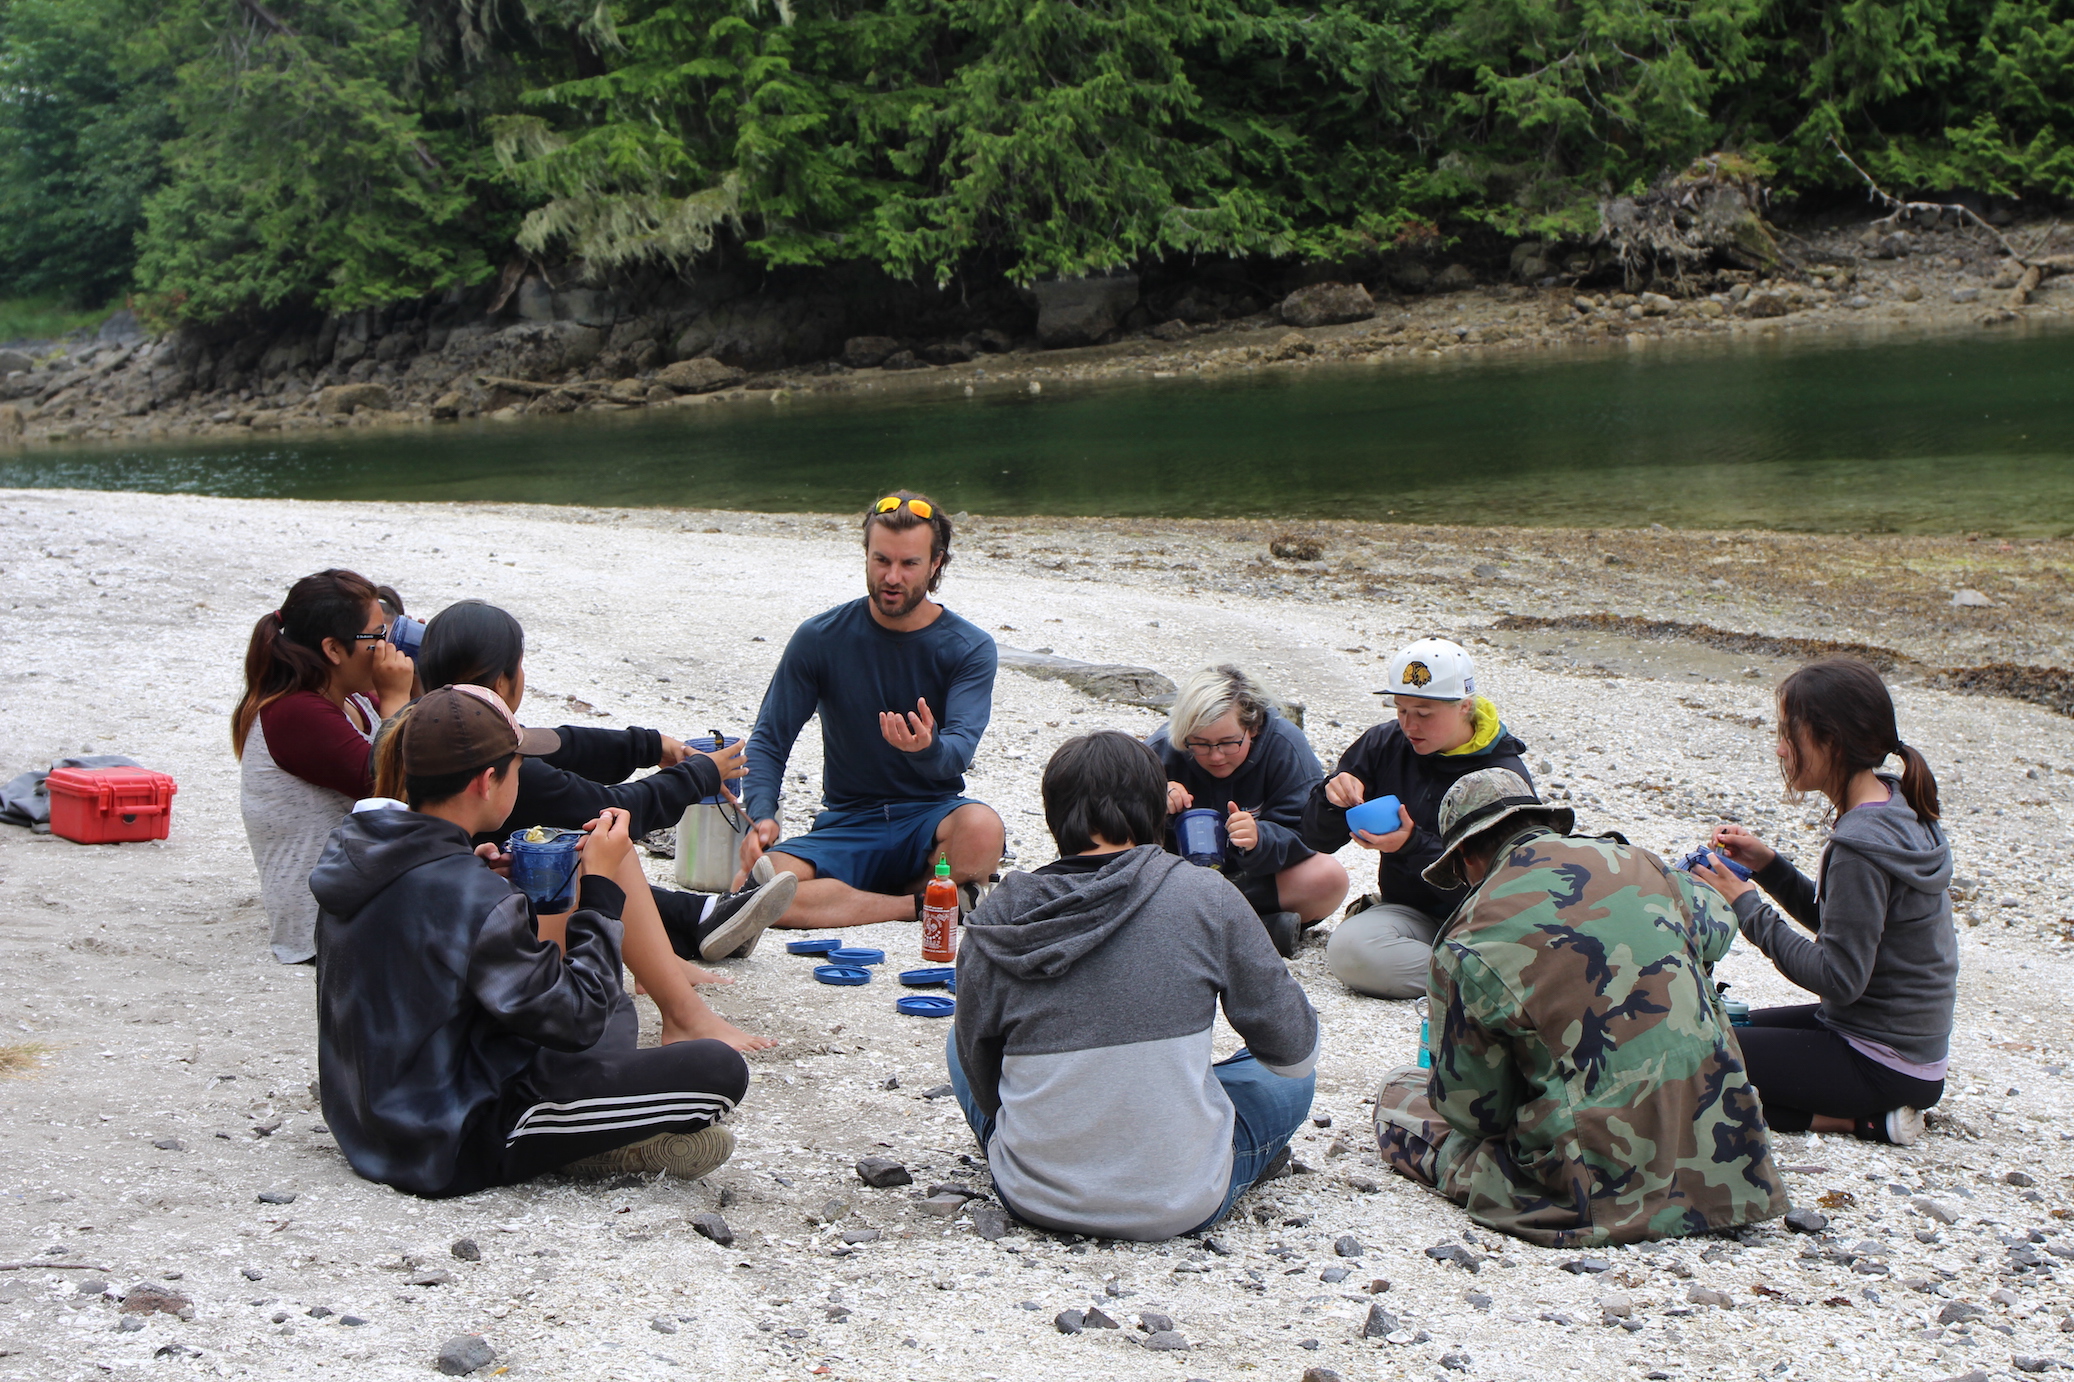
(1209, 748)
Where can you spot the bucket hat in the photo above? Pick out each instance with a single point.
(1477, 802)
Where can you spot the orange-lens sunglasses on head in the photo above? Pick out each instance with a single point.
(920, 508)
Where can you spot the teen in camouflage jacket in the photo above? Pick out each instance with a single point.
(1586, 1086)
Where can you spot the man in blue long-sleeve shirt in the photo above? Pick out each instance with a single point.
(893, 777)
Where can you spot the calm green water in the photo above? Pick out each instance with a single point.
(1966, 433)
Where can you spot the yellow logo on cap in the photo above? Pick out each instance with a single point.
(1417, 674)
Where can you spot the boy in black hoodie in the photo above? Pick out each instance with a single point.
(457, 1048)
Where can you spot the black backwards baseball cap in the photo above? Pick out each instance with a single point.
(459, 729)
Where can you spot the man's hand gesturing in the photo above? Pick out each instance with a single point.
(912, 732)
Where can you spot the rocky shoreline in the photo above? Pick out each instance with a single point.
(544, 352)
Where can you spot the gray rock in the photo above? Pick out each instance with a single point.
(1971, 599)
(343, 400)
(1935, 1209)
(944, 1206)
(2020, 1179)
(1478, 1300)
(92, 1286)
(145, 1298)
(1328, 304)
(1806, 1220)
(831, 1210)
(1708, 1295)
(941, 1091)
(12, 361)
(1152, 1322)
(868, 352)
(1965, 295)
(1960, 1311)
(1584, 1266)
(465, 1353)
(1096, 1318)
(1321, 1375)
(466, 1250)
(663, 1324)
(1081, 311)
(1069, 1322)
(1457, 1254)
(882, 1173)
(1105, 681)
(1348, 1246)
(1166, 1341)
(129, 1324)
(1456, 1361)
(698, 376)
(714, 1227)
(1334, 1275)
(1762, 305)
(990, 1222)
(966, 1190)
(1453, 279)
(2022, 1363)
(536, 301)
(1614, 1305)
(351, 1321)
(1380, 1322)
(252, 1274)
(437, 1277)
(1410, 276)
(856, 1236)
(903, 359)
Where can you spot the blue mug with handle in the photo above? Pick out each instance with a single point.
(545, 870)
(1200, 837)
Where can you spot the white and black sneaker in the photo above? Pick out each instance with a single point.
(738, 920)
(1904, 1126)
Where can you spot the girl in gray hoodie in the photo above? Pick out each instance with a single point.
(1883, 956)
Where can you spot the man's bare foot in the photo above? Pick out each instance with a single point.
(712, 1025)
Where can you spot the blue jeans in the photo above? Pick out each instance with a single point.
(1267, 1110)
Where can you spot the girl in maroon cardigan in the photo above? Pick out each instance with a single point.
(320, 676)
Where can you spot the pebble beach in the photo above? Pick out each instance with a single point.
(171, 1202)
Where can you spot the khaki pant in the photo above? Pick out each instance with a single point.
(1384, 952)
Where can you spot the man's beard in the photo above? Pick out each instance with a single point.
(905, 608)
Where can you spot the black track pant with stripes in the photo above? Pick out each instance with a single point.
(569, 1106)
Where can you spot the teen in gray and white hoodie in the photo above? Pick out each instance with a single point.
(1883, 957)
(1087, 1003)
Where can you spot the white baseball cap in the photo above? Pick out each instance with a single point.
(1433, 668)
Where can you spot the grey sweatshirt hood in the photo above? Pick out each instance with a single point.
(1911, 852)
(369, 850)
(1038, 926)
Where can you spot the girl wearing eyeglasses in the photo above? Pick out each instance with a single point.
(1226, 748)
(320, 677)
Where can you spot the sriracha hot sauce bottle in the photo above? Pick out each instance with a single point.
(940, 916)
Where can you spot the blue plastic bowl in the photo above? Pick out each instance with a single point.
(923, 978)
(926, 1005)
(842, 974)
(857, 955)
(820, 945)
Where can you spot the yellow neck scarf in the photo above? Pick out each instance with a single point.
(1487, 728)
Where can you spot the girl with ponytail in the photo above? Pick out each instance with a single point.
(1883, 956)
(320, 675)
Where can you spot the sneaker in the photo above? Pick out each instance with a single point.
(739, 920)
(1904, 1126)
(685, 1155)
(970, 895)
(1285, 929)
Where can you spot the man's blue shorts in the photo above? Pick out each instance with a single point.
(882, 848)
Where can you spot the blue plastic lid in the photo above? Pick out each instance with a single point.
(857, 955)
(706, 743)
(842, 974)
(819, 945)
(934, 974)
(926, 1005)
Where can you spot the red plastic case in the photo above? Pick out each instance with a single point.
(98, 806)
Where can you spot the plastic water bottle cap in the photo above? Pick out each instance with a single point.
(857, 955)
(820, 945)
(847, 975)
